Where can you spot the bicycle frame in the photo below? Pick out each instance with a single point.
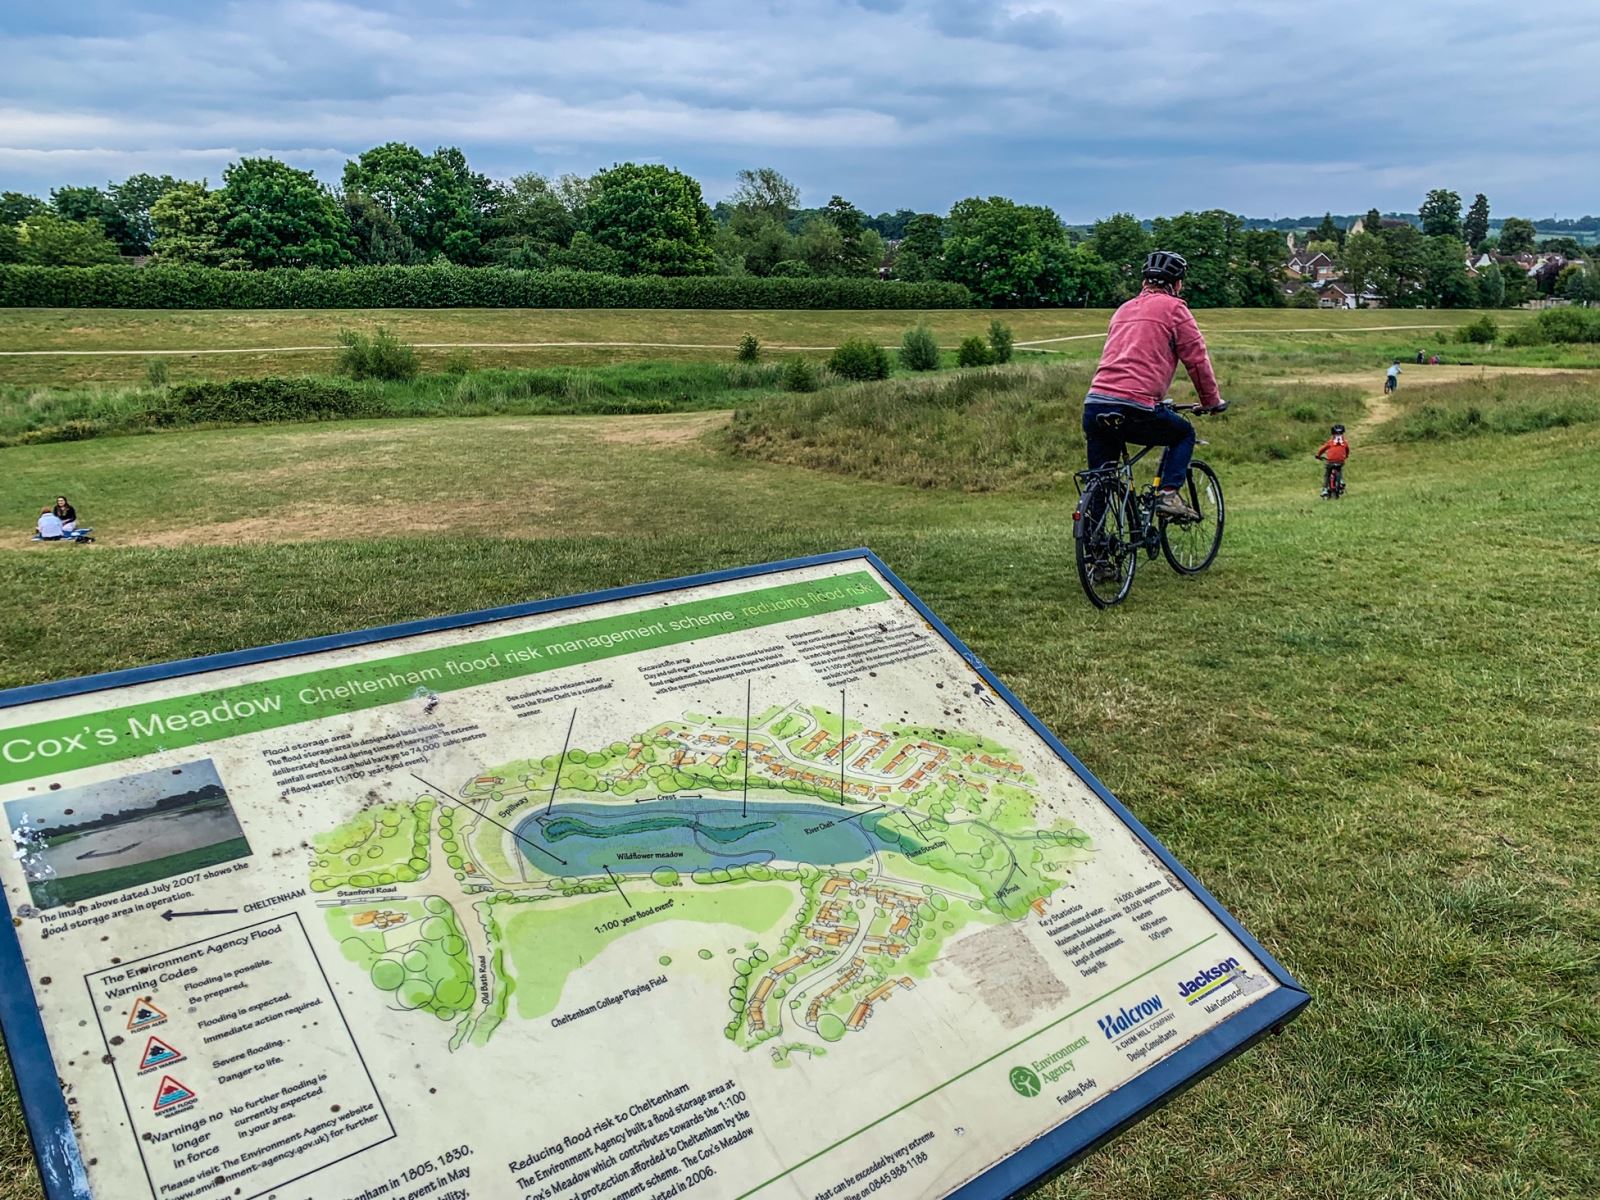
(1147, 532)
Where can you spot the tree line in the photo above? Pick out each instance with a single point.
(1430, 263)
(396, 206)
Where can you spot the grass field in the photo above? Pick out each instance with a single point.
(1373, 729)
(301, 341)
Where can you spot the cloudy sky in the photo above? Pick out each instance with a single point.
(1268, 107)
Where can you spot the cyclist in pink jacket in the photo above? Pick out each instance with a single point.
(1149, 336)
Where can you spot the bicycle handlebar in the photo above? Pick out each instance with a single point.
(1194, 408)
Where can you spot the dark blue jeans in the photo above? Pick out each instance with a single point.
(1110, 427)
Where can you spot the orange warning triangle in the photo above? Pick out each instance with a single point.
(144, 1013)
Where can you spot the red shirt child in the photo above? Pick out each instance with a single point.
(1335, 450)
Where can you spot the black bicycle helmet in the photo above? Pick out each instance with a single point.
(1163, 266)
(1338, 428)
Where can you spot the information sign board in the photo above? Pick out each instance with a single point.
(755, 883)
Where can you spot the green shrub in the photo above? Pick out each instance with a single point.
(252, 401)
(457, 362)
(1480, 332)
(155, 372)
(446, 286)
(859, 359)
(1569, 325)
(799, 375)
(380, 356)
(1001, 341)
(749, 349)
(974, 352)
(919, 350)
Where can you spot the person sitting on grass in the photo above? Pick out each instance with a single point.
(49, 528)
(67, 514)
(1149, 336)
(1333, 453)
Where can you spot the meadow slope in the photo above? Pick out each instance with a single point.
(1371, 730)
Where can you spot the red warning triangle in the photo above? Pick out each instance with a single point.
(157, 1053)
(170, 1092)
(144, 1013)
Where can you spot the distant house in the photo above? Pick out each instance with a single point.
(1316, 267)
(1334, 294)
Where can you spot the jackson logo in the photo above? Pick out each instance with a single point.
(1212, 979)
(1117, 1023)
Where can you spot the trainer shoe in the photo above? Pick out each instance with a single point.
(1172, 505)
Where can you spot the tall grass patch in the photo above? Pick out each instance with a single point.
(1009, 429)
(1519, 404)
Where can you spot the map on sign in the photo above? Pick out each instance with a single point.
(741, 885)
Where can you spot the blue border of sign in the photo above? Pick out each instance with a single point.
(45, 1111)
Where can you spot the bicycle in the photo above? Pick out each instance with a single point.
(1333, 481)
(1114, 522)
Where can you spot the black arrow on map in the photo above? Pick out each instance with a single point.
(204, 912)
(566, 742)
(444, 795)
(744, 809)
(618, 886)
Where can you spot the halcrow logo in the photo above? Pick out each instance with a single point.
(1210, 980)
(1116, 1024)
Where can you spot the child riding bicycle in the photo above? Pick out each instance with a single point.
(1333, 453)
(1148, 337)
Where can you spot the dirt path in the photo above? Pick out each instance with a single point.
(1426, 376)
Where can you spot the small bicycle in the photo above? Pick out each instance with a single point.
(1115, 521)
(1333, 482)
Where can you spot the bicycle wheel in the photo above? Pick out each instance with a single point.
(1190, 546)
(1103, 543)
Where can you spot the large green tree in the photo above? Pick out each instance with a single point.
(1445, 282)
(1210, 242)
(17, 206)
(1517, 235)
(755, 237)
(1327, 231)
(765, 192)
(274, 215)
(86, 204)
(376, 238)
(133, 199)
(653, 218)
(1492, 287)
(1366, 261)
(1017, 254)
(860, 248)
(1121, 242)
(48, 240)
(10, 244)
(1257, 268)
(1401, 284)
(527, 222)
(1475, 229)
(920, 255)
(438, 201)
(1441, 214)
(188, 222)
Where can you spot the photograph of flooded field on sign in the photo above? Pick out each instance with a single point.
(123, 833)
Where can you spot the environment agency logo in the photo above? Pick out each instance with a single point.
(1024, 1082)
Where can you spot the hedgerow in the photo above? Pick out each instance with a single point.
(445, 286)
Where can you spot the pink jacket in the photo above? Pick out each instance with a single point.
(1149, 336)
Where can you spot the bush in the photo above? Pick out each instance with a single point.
(457, 362)
(251, 401)
(446, 286)
(1001, 341)
(919, 350)
(974, 352)
(155, 372)
(749, 349)
(1480, 332)
(858, 359)
(1566, 325)
(799, 375)
(381, 356)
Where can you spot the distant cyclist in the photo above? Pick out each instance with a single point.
(1148, 337)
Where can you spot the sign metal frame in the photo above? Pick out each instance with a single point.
(61, 1167)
